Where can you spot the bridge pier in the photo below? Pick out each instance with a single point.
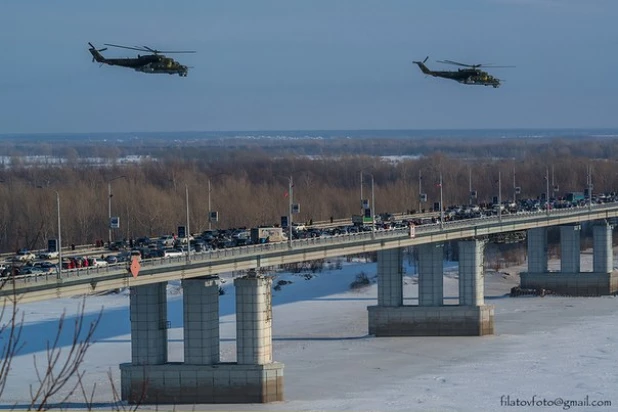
(570, 249)
(571, 280)
(431, 317)
(202, 378)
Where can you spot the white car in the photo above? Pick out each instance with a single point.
(48, 255)
(172, 253)
(97, 262)
(24, 255)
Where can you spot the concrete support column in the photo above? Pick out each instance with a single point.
(201, 320)
(537, 250)
(570, 249)
(148, 308)
(253, 320)
(471, 281)
(602, 253)
(390, 277)
(430, 274)
(255, 378)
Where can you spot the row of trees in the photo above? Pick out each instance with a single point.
(252, 190)
(226, 146)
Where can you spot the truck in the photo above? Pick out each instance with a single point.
(267, 235)
(575, 197)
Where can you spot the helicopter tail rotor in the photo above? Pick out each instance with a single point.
(96, 54)
(422, 66)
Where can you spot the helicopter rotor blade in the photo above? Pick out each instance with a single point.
(172, 51)
(454, 63)
(126, 47)
(494, 67)
(155, 51)
(148, 49)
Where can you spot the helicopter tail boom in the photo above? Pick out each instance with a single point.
(422, 66)
(96, 54)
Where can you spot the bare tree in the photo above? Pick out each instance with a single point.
(61, 369)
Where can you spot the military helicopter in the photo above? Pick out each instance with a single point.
(155, 62)
(470, 75)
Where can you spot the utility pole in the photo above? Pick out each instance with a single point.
(589, 184)
(373, 205)
(361, 194)
(470, 185)
(553, 180)
(109, 197)
(499, 197)
(59, 237)
(514, 187)
(291, 196)
(441, 207)
(188, 232)
(209, 207)
(547, 190)
(420, 191)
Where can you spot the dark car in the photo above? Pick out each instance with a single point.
(142, 241)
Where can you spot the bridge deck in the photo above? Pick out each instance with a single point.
(97, 280)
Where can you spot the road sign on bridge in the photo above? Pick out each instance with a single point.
(135, 266)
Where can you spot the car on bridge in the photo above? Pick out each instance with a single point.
(172, 253)
(49, 254)
(24, 255)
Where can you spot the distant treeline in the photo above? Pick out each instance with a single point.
(249, 188)
(228, 149)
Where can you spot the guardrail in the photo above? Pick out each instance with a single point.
(298, 249)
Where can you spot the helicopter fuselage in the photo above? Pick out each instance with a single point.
(150, 63)
(464, 76)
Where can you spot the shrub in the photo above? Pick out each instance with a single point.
(361, 281)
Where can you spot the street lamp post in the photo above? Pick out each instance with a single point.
(209, 206)
(361, 188)
(514, 187)
(499, 196)
(470, 185)
(59, 236)
(59, 273)
(547, 190)
(188, 232)
(361, 192)
(209, 200)
(109, 197)
(441, 206)
(589, 186)
(290, 195)
(420, 191)
(553, 181)
(290, 206)
(373, 203)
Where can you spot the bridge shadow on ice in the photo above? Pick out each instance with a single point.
(115, 321)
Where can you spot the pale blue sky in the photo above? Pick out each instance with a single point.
(308, 64)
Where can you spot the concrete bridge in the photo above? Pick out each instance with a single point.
(255, 377)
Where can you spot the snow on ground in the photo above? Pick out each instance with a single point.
(549, 347)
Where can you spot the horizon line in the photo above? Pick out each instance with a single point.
(317, 130)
